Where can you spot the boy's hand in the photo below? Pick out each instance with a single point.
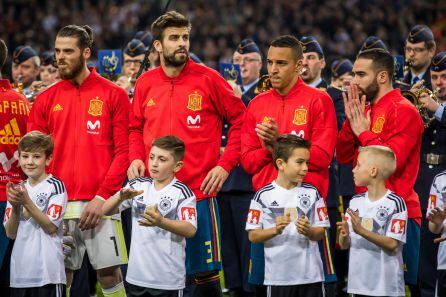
(12, 194)
(125, 194)
(356, 221)
(343, 227)
(151, 217)
(281, 223)
(437, 215)
(303, 226)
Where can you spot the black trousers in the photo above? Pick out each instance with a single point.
(307, 290)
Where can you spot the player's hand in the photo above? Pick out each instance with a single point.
(214, 180)
(355, 221)
(428, 102)
(437, 215)
(303, 226)
(92, 214)
(151, 217)
(125, 194)
(67, 241)
(440, 239)
(136, 169)
(282, 222)
(343, 227)
(268, 133)
(13, 194)
(354, 110)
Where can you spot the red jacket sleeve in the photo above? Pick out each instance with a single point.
(346, 144)
(38, 119)
(404, 136)
(115, 176)
(233, 110)
(323, 133)
(254, 155)
(136, 128)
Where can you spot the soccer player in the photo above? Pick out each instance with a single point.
(163, 213)
(88, 117)
(188, 100)
(33, 218)
(375, 228)
(289, 217)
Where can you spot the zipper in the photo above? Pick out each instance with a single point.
(170, 106)
(77, 132)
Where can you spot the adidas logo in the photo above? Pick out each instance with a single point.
(11, 133)
(151, 102)
(58, 107)
(274, 203)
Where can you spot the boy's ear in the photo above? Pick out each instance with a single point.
(178, 166)
(280, 162)
(374, 171)
(48, 160)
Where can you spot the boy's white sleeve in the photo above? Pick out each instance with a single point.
(57, 205)
(254, 220)
(397, 226)
(320, 213)
(187, 210)
(436, 198)
(8, 212)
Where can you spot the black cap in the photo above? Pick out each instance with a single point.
(247, 46)
(310, 44)
(195, 58)
(23, 53)
(420, 33)
(134, 48)
(47, 58)
(373, 42)
(340, 67)
(439, 62)
(145, 37)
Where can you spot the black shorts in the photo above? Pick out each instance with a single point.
(137, 291)
(307, 290)
(50, 290)
(441, 283)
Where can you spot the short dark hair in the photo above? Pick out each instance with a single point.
(36, 141)
(382, 60)
(168, 20)
(285, 144)
(84, 35)
(3, 53)
(290, 42)
(172, 144)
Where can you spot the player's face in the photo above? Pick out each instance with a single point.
(33, 164)
(361, 172)
(313, 67)
(250, 65)
(132, 64)
(25, 72)
(49, 74)
(70, 58)
(418, 54)
(365, 78)
(174, 47)
(438, 79)
(282, 67)
(162, 165)
(296, 167)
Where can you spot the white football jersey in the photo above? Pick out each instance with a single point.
(437, 198)
(373, 270)
(157, 256)
(37, 257)
(290, 258)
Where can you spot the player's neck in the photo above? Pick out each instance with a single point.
(376, 189)
(286, 183)
(162, 183)
(383, 90)
(172, 71)
(284, 91)
(37, 179)
(78, 80)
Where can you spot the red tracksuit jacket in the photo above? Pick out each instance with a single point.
(14, 112)
(89, 125)
(191, 107)
(305, 111)
(395, 123)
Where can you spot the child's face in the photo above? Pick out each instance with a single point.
(296, 167)
(361, 172)
(162, 164)
(33, 163)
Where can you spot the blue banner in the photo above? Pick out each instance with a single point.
(109, 62)
(231, 72)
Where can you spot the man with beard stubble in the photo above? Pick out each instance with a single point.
(88, 117)
(390, 120)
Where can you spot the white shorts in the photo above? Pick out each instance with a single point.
(104, 244)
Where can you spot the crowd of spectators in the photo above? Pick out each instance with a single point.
(219, 25)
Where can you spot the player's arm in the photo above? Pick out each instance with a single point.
(313, 233)
(38, 119)
(111, 205)
(262, 235)
(12, 223)
(153, 218)
(344, 233)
